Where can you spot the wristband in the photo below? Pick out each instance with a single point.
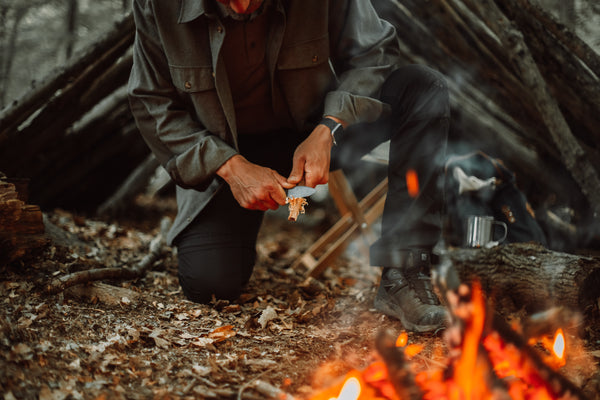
(333, 126)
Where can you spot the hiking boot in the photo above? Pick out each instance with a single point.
(407, 294)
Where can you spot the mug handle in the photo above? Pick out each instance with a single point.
(505, 230)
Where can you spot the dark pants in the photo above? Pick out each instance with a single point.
(217, 251)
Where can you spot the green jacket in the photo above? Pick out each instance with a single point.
(330, 57)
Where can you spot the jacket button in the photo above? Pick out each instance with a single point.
(188, 85)
(315, 59)
(213, 74)
(220, 29)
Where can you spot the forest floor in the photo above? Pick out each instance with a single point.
(150, 342)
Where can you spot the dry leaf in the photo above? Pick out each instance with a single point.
(202, 342)
(201, 370)
(181, 316)
(222, 333)
(160, 342)
(267, 315)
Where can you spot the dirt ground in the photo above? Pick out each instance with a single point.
(147, 341)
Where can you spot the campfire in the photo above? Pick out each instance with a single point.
(487, 358)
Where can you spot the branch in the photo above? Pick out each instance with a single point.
(19, 111)
(572, 153)
(570, 40)
(157, 248)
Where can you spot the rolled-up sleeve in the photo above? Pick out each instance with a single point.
(364, 52)
(186, 149)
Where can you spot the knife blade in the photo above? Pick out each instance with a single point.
(300, 191)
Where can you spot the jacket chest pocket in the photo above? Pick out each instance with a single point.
(197, 87)
(192, 79)
(305, 77)
(308, 54)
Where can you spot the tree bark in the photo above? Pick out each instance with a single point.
(9, 53)
(528, 276)
(71, 25)
(66, 108)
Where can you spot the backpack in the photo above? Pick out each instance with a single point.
(477, 184)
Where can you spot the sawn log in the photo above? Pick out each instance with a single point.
(527, 276)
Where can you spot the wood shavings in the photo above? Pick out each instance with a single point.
(295, 206)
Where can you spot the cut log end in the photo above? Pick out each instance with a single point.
(22, 226)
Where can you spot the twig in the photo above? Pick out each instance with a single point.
(264, 388)
(57, 285)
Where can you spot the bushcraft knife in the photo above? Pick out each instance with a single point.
(300, 191)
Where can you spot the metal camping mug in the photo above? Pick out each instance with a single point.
(480, 230)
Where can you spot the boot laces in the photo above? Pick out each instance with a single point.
(420, 282)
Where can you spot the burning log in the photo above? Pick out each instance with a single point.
(508, 353)
(487, 357)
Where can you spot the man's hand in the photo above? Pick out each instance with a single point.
(312, 157)
(254, 187)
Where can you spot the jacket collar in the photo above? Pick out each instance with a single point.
(192, 9)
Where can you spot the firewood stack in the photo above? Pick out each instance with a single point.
(21, 224)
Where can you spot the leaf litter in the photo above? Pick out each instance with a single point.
(143, 339)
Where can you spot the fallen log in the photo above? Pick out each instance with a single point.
(527, 276)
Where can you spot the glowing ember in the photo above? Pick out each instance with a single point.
(402, 340)
(412, 183)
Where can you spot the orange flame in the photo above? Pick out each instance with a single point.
(412, 183)
(484, 357)
(350, 390)
(470, 373)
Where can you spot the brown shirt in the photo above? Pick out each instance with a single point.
(244, 53)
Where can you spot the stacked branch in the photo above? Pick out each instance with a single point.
(74, 135)
(497, 107)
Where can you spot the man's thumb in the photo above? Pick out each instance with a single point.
(296, 174)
